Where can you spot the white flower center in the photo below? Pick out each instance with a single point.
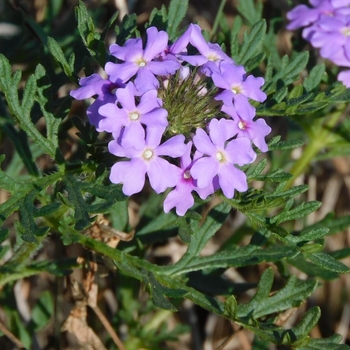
(148, 154)
(142, 63)
(241, 125)
(134, 116)
(346, 31)
(187, 175)
(236, 89)
(213, 57)
(219, 156)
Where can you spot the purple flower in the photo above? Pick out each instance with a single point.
(181, 197)
(238, 87)
(132, 116)
(221, 157)
(302, 16)
(146, 63)
(106, 93)
(210, 55)
(148, 161)
(179, 47)
(344, 77)
(245, 126)
(333, 37)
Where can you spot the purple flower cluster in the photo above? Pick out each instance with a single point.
(327, 28)
(130, 104)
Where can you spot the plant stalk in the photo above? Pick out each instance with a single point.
(318, 140)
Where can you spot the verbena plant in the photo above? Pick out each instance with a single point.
(182, 103)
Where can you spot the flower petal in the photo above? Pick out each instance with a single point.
(156, 43)
(240, 151)
(174, 147)
(161, 174)
(231, 178)
(179, 198)
(204, 170)
(130, 174)
(203, 143)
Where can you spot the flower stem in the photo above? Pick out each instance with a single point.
(318, 140)
(217, 18)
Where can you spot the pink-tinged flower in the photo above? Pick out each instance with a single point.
(220, 157)
(237, 86)
(210, 55)
(244, 124)
(181, 197)
(302, 15)
(148, 161)
(145, 63)
(132, 117)
(95, 85)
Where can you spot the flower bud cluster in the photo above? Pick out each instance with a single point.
(327, 28)
(182, 119)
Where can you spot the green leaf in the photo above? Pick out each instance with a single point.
(297, 212)
(291, 192)
(200, 238)
(312, 81)
(252, 42)
(127, 28)
(309, 235)
(331, 343)
(43, 310)
(256, 170)
(4, 234)
(308, 322)
(230, 307)
(285, 145)
(276, 176)
(22, 113)
(177, 12)
(158, 18)
(334, 224)
(339, 94)
(280, 94)
(16, 268)
(108, 25)
(157, 293)
(238, 257)
(27, 225)
(60, 58)
(185, 230)
(19, 139)
(157, 228)
(78, 203)
(250, 11)
(327, 262)
(119, 215)
(19, 190)
(90, 37)
(311, 269)
(340, 254)
(291, 295)
(44, 99)
(29, 93)
(234, 34)
(288, 72)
